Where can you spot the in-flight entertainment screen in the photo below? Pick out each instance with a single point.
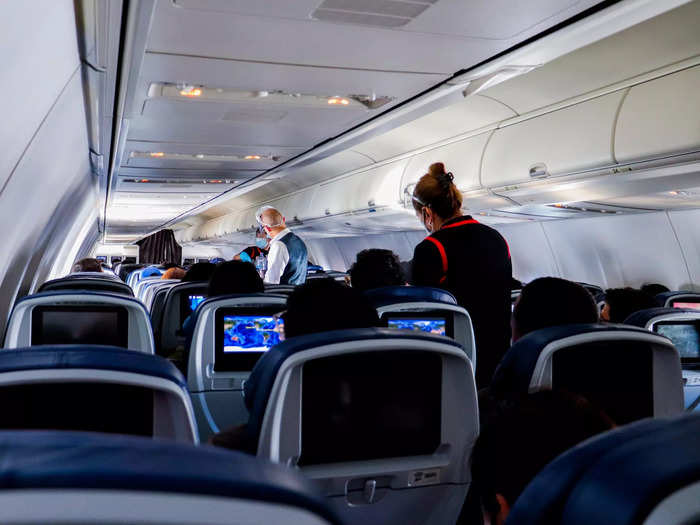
(97, 325)
(684, 304)
(195, 300)
(243, 335)
(431, 326)
(685, 336)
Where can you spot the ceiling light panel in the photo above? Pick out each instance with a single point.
(271, 97)
(204, 157)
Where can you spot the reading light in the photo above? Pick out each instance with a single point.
(335, 101)
(200, 156)
(252, 157)
(191, 91)
(156, 154)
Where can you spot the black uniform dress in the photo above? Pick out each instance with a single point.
(472, 261)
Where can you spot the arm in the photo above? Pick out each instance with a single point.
(426, 269)
(276, 263)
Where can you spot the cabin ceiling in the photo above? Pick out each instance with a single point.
(232, 49)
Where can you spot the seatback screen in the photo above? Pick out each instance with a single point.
(190, 299)
(96, 325)
(431, 322)
(194, 301)
(615, 376)
(686, 304)
(243, 335)
(88, 407)
(370, 405)
(685, 336)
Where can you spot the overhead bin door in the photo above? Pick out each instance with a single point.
(660, 117)
(575, 138)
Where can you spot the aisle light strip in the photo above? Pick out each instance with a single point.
(201, 156)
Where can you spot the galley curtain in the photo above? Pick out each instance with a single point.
(159, 248)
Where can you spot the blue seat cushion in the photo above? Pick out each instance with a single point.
(401, 294)
(42, 459)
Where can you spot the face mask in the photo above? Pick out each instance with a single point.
(260, 243)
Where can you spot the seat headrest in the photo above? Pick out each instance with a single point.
(644, 317)
(663, 297)
(619, 476)
(89, 357)
(87, 283)
(76, 460)
(259, 385)
(151, 272)
(395, 294)
(517, 366)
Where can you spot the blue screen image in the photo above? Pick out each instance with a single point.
(251, 333)
(195, 300)
(431, 326)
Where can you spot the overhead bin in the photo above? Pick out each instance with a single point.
(462, 158)
(660, 117)
(575, 138)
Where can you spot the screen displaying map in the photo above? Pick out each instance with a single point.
(432, 326)
(251, 333)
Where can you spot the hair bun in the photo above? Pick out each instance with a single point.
(436, 169)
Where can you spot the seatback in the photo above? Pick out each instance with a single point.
(72, 317)
(72, 477)
(134, 277)
(383, 420)
(150, 289)
(682, 327)
(593, 289)
(72, 282)
(279, 289)
(627, 371)
(175, 310)
(686, 300)
(425, 308)
(219, 363)
(157, 305)
(142, 284)
(94, 388)
(645, 473)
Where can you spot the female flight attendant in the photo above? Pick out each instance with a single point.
(468, 259)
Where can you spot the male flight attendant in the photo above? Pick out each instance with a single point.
(288, 258)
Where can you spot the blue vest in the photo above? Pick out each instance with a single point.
(295, 271)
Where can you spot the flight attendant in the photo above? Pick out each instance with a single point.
(468, 259)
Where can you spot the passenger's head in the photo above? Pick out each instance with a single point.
(235, 277)
(271, 221)
(654, 289)
(87, 265)
(436, 198)
(375, 268)
(620, 303)
(321, 305)
(520, 437)
(550, 301)
(261, 239)
(199, 272)
(173, 273)
(167, 265)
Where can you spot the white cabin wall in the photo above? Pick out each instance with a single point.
(45, 175)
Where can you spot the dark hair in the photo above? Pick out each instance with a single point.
(623, 302)
(199, 272)
(167, 265)
(654, 289)
(522, 434)
(321, 305)
(375, 268)
(87, 265)
(550, 301)
(436, 191)
(235, 277)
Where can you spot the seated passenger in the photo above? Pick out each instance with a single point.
(550, 301)
(173, 273)
(376, 268)
(308, 311)
(620, 303)
(654, 289)
(87, 265)
(520, 437)
(199, 272)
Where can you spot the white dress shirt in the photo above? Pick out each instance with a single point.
(277, 258)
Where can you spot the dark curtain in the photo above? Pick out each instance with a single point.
(160, 248)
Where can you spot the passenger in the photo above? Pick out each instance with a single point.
(375, 268)
(287, 260)
(550, 301)
(251, 253)
(167, 265)
(620, 303)
(234, 277)
(199, 272)
(87, 265)
(516, 284)
(151, 271)
(468, 259)
(307, 312)
(654, 289)
(520, 438)
(174, 273)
